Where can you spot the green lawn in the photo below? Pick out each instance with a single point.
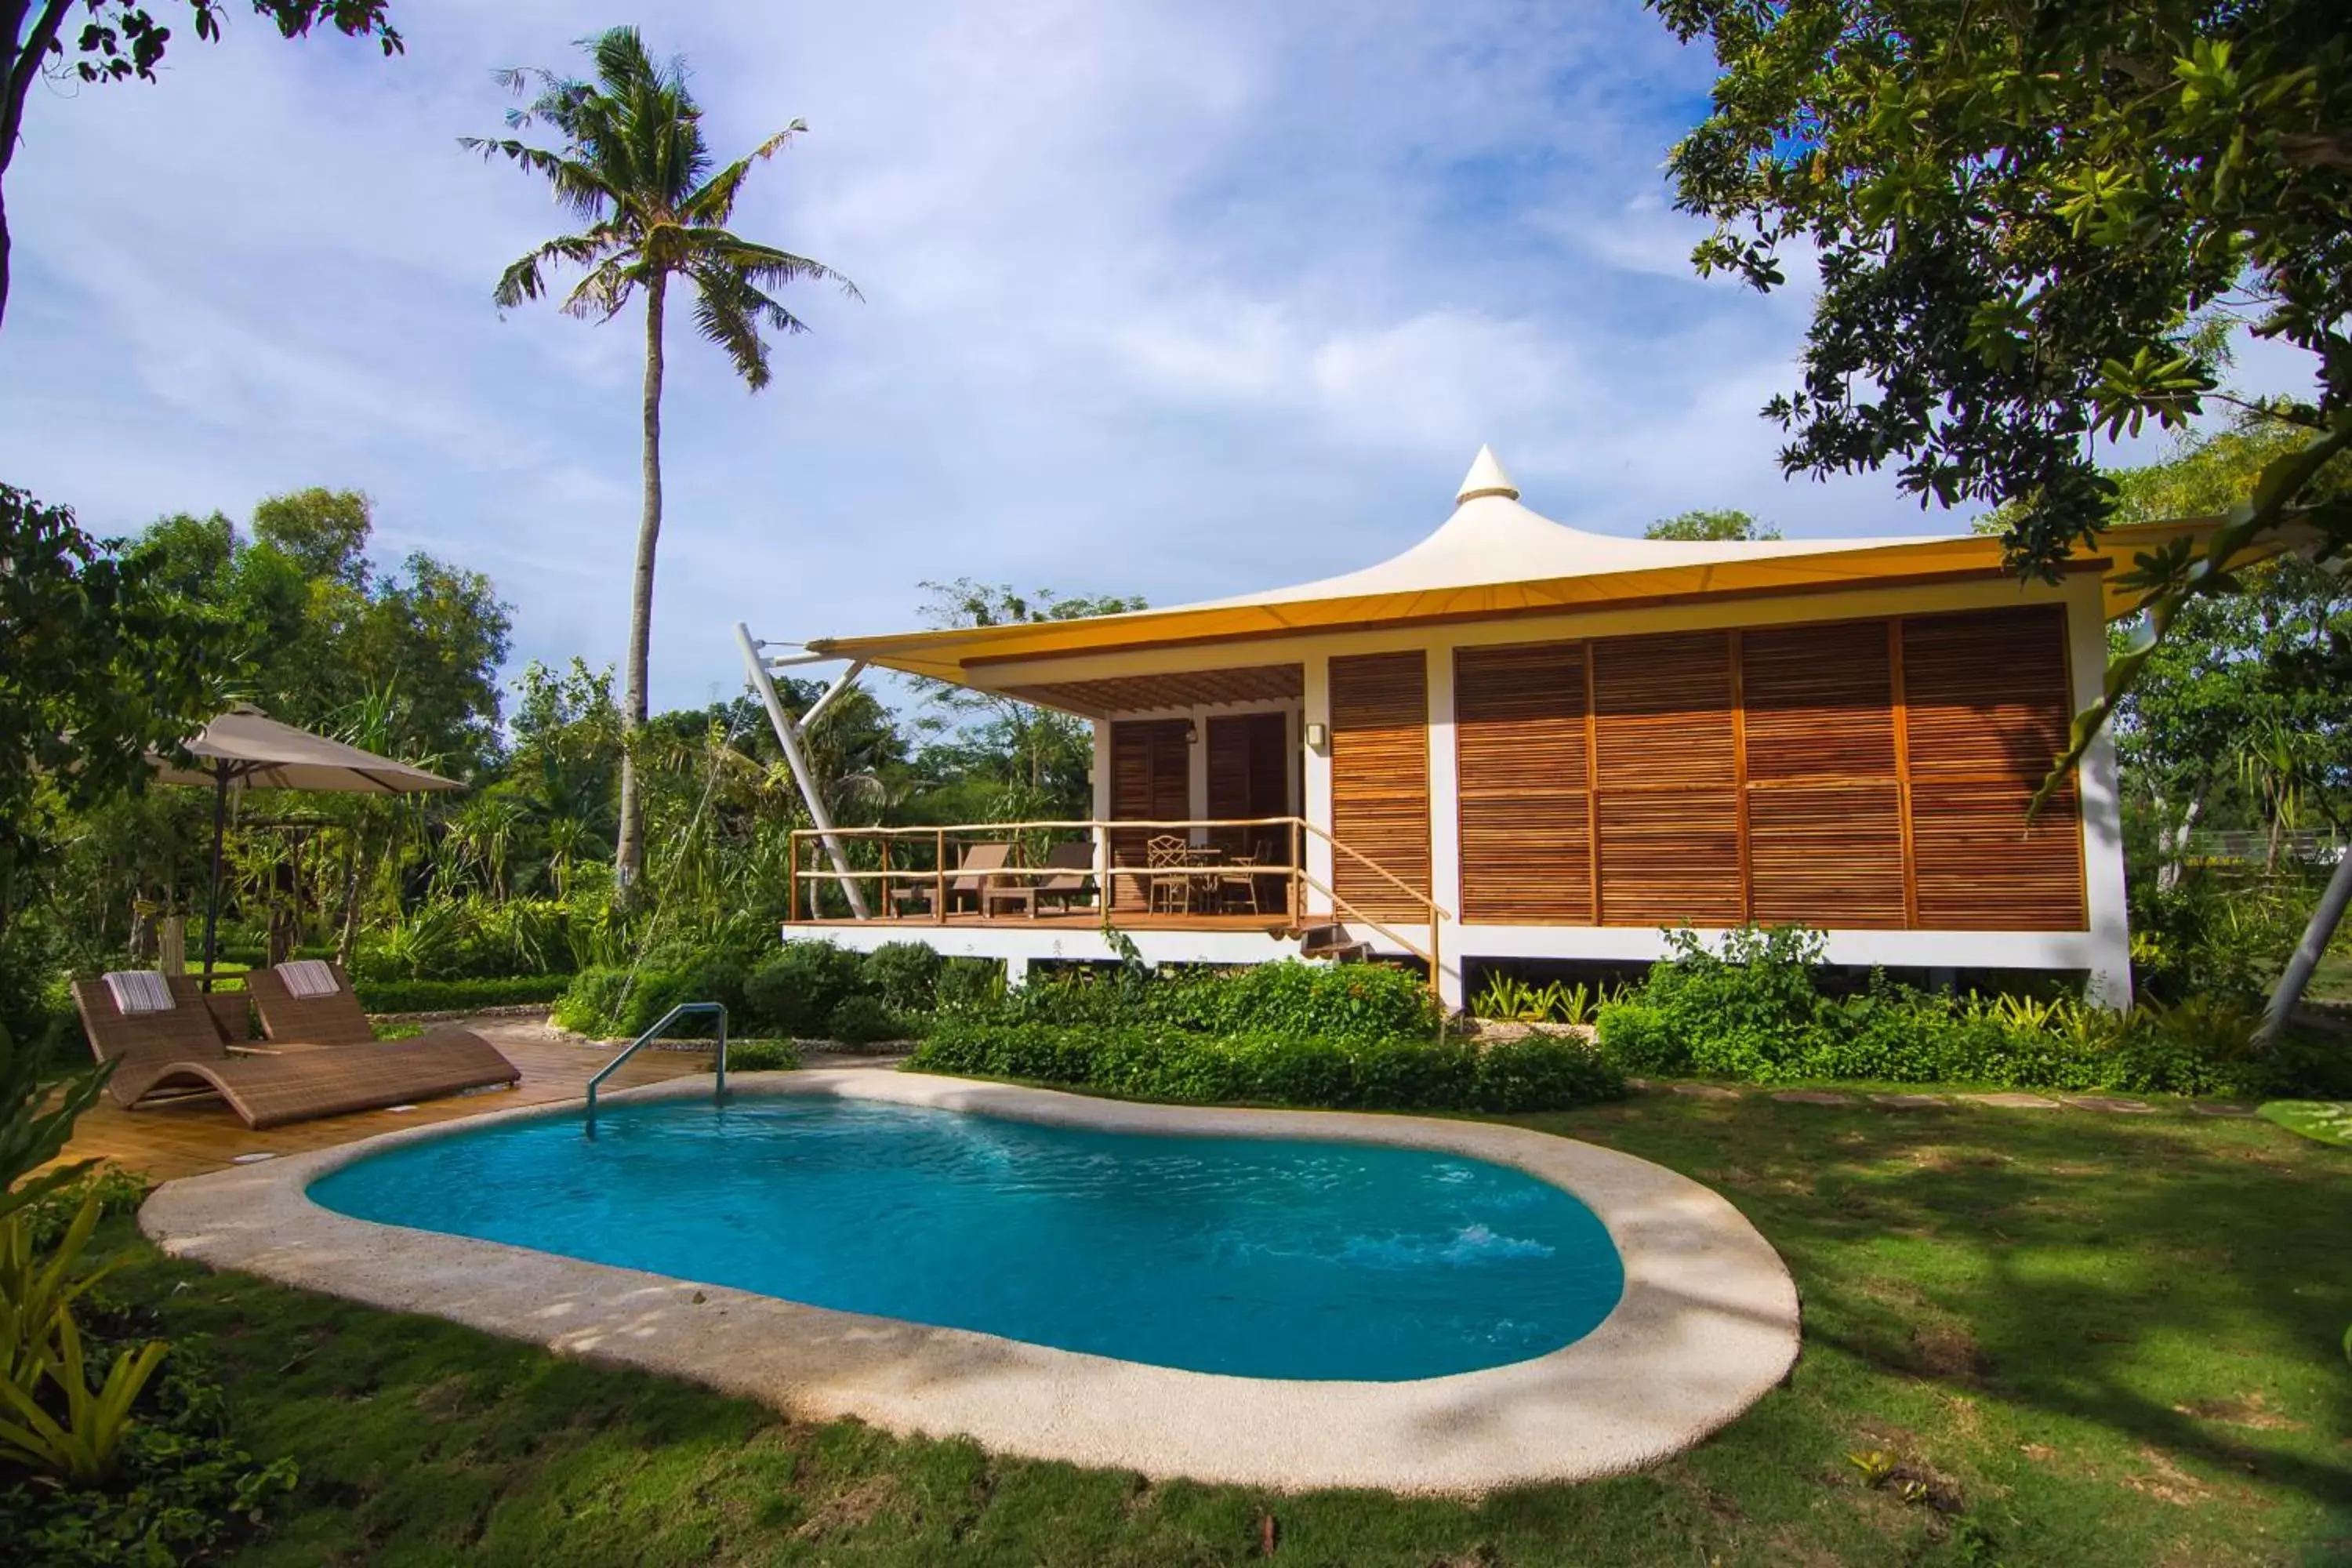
(2084, 1339)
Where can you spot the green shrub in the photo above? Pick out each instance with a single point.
(1356, 1003)
(1754, 1013)
(611, 1004)
(456, 995)
(183, 1490)
(1635, 1036)
(903, 974)
(468, 939)
(1166, 1063)
(968, 984)
(796, 989)
(761, 1055)
(1543, 1072)
(858, 1020)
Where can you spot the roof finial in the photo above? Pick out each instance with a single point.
(1486, 477)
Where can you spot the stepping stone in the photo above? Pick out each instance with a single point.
(1812, 1097)
(2014, 1101)
(1704, 1091)
(2108, 1102)
(1908, 1102)
(2204, 1109)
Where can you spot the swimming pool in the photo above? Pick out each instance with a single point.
(1262, 1257)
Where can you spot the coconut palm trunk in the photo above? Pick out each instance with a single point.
(629, 857)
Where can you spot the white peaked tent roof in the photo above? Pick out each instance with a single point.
(1494, 557)
(257, 751)
(1492, 540)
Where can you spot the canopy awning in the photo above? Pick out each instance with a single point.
(1495, 557)
(246, 748)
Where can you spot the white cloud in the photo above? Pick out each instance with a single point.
(1136, 278)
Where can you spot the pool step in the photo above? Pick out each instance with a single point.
(1332, 943)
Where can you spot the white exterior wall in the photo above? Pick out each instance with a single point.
(2102, 950)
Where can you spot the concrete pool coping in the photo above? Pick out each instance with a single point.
(1707, 1324)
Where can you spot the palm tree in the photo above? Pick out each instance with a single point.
(635, 168)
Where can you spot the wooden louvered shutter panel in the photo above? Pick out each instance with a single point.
(1150, 779)
(1824, 800)
(1986, 709)
(1668, 781)
(1519, 748)
(1380, 780)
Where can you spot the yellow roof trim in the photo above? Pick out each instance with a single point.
(1761, 569)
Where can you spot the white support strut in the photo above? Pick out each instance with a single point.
(788, 735)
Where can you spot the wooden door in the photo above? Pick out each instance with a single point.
(1151, 780)
(1249, 777)
(1379, 781)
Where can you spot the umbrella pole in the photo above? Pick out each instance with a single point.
(212, 906)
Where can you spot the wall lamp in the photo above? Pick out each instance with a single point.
(1318, 736)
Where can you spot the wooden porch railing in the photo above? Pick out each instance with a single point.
(1104, 869)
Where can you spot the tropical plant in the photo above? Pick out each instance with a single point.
(1507, 997)
(35, 1118)
(81, 1446)
(101, 669)
(633, 165)
(38, 1285)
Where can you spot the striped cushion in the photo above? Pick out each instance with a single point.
(139, 991)
(309, 977)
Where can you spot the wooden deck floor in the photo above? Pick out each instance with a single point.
(189, 1139)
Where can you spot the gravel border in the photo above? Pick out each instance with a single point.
(1708, 1323)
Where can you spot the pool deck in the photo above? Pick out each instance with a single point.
(1708, 1323)
(191, 1137)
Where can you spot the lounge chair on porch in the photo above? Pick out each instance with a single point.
(971, 882)
(164, 1045)
(1072, 862)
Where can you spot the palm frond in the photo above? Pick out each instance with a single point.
(730, 311)
(715, 201)
(524, 280)
(578, 184)
(763, 264)
(600, 295)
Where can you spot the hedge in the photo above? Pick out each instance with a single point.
(457, 995)
(1754, 1013)
(1167, 1063)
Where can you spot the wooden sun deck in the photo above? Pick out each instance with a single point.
(191, 1138)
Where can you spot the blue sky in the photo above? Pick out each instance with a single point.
(1171, 299)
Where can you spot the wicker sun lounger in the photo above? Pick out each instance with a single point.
(177, 1053)
(334, 1019)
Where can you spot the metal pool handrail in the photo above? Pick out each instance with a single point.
(664, 1022)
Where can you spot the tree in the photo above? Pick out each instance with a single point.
(321, 630)
(101, 669)
(2030, 218)
(635, 167)
(1710, 525)
(1034, 760)
(120, 39)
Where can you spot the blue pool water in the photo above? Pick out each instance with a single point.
(1257, 1257)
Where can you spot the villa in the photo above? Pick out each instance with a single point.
(1519, 741)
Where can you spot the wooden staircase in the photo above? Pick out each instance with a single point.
(1332, 943)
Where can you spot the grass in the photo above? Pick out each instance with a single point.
(2073, 1339)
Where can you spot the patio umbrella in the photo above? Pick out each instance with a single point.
(246, 749)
